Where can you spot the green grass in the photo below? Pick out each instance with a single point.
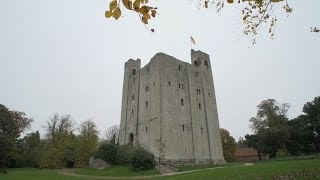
(294, 169)
(190, 168)
(35, 174)
(290, 169)
(115, 171)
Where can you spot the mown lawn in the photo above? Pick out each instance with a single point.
(291, 169)
(116, 171)
(35, 174)
(294, 169)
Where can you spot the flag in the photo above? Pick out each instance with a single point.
(192, 40)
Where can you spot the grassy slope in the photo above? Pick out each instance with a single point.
(298, 169)
(294, 169)
(35, 174)
(115, 171)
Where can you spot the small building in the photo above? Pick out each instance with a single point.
(248, 155)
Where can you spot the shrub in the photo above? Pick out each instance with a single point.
(142, 160)
(107, 152)
(125, 154)
(281, 153)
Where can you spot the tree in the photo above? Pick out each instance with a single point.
(112, 134)
(312, 121)
(87, 142)
(59, 148)
(254, 12)
(12, 124)
(29, 151)
(271, 126)
(228, 145)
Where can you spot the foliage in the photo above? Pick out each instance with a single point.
(271, 126)
(254, 12)
(86, 143)
(112, 134)
(228, 145)
(59, 146)
(107, 152)
(312, 121)
(125, 154)
(29, 151)
(142, 160)
(12, 124)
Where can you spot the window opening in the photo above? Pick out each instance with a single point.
(182, 127)
(131, 111)
(201, 130)
(179, 68)
(195, 63)
(206, 64)
(169, 83)
(197, 74)
(131, 138)
(199, 106)
(182, 103)
(147, 104)
(147, 89)
(148, 69)
(146, 129)
(154, 84)
(133, 71)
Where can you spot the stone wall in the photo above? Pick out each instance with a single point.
(169, 108)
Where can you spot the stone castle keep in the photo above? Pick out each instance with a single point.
(169, 108)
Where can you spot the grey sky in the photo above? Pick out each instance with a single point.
(65, 57)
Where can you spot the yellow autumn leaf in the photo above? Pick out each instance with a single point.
(153, 13)
(147, 16)
(113, 5)
(127, 4)
(136, 5)
(108, 14)
(144, 10)
(230, 1)
(117, 13)
(144, 20)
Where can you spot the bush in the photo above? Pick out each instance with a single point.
(142, 160)
(107, 152)
(281, 153)
(125, 154)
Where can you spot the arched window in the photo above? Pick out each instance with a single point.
(206, 64)
(182, 103)
(133, 71)
(131, 138)
(179, 68)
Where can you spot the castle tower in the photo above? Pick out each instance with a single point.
(169, 108)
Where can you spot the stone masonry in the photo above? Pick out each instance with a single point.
(169, 108)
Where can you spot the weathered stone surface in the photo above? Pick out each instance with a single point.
(169, 108)
(98, 163)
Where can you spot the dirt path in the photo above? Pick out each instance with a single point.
(70, 172)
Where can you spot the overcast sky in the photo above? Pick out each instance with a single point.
(65, 57)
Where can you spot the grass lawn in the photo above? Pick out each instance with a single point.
(190, 168)
(115, 171)
(293, 169)
(290, 169)
(35, 174)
